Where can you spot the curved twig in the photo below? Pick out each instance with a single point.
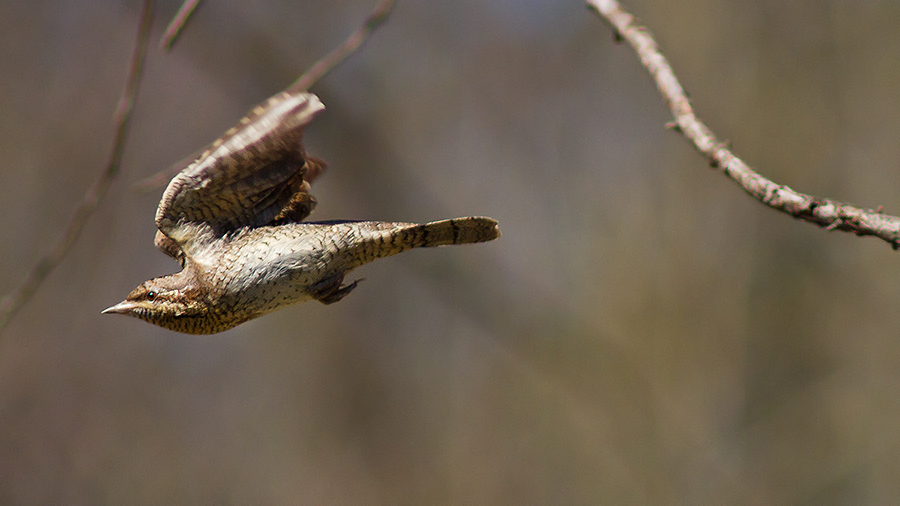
(12, 303)
(827, 213)
(307, 79)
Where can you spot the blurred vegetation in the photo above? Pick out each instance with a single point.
(643, 332)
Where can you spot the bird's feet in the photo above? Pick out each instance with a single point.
(329, 290)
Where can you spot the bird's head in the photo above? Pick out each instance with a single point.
(174, 302)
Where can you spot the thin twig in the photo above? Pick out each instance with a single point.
(340, 53)
(827, 213)
(177, 24)
(13, 302)
(304, 82)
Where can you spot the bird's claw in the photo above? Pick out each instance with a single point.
(329, 290)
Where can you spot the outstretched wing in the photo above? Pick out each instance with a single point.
(256, 174)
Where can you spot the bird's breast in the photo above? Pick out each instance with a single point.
(266, 268)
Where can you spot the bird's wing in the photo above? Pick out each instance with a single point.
(256, 174)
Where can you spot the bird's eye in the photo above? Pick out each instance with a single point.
(151, 295)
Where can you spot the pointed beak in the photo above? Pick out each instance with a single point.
(124, 307)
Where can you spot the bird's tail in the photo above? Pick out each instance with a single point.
(456, 231)
(382, 239)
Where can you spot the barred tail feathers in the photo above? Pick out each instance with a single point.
(386, 239)
(456, 231)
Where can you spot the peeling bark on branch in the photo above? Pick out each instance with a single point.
(827, 213)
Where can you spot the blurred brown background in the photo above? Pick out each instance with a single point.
(643, 332)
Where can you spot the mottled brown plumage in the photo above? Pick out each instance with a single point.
(233, 219)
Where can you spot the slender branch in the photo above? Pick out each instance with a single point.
(303, 83)
(340, 53)
(13, 302)
(827, 213)
(178, 23)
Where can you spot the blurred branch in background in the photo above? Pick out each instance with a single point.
(11, 303)
(178, 23)
(827, 213)
(340, 53)
(307, 79)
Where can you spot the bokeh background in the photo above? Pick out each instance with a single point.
(643, 332)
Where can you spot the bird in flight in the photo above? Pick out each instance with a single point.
(233, 218)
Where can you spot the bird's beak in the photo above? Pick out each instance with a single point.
(124, 307)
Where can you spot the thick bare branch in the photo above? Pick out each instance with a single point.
(824, 212)
(14, 301)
